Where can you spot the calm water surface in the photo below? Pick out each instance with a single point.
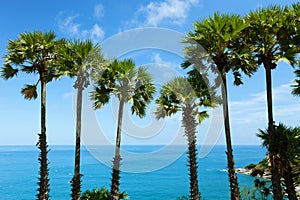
(19, 172)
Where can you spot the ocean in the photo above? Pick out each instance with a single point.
(146, 177)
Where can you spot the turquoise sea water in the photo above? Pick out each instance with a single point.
(19, 172)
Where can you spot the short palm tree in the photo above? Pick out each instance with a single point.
(100, 194)
(221, 36)
(79, 57)
(35, 53)
(178, 95)
(286, 146)
(269, 36)
(129, 85)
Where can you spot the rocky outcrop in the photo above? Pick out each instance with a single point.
(262, 173)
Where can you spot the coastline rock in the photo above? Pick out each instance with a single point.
(256, 172)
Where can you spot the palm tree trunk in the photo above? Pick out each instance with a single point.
(189, 124)
(43, 190)
(234, 188)
(76, 182)
(289, 183)
(115, 181)
(277, 191)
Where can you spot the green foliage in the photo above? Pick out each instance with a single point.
(296, 85)
(184, 197)
(260, 191)
(221, 36)
(264, 163)
(270, 36)
(250, 166)
(178, 94)
(129, 84)
(8, 72)
(79, 59)
(100, 194)
(285, 142)
(35, 53)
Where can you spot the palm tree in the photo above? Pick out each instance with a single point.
(79, 57)
(294, 19)
(270, 41)
(129, 85)
(289, 155)
(178, 95)
(221, 37)
(296, 86)
(286, 146)
(36, 53)
(100, 194)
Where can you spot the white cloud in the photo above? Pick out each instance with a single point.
(168, 11)
(97, 33)
(254, 109)
(68, 26)
(98, 11)
(159, 61)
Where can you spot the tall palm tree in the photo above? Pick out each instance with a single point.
(178, 95)
(129, 85)
(221, 37)
(35, 53)
(79, 57)
(270, 41)
(286, 146)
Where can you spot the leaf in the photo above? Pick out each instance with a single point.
(29, 92)
(202, 116)
(8, 72)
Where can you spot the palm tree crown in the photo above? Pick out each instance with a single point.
(178, 94)
(33, 52)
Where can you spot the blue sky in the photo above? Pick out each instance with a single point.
(99, 21)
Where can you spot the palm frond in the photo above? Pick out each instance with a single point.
(201, 116)
(8, 72)
(100, 96)
(29, 92)
(129, 84)
(296, 85)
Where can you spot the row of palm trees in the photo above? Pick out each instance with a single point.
(239, 44)
(50, 58)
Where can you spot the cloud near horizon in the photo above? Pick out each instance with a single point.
(254, 109)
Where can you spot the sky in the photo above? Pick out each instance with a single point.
(139, 29)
